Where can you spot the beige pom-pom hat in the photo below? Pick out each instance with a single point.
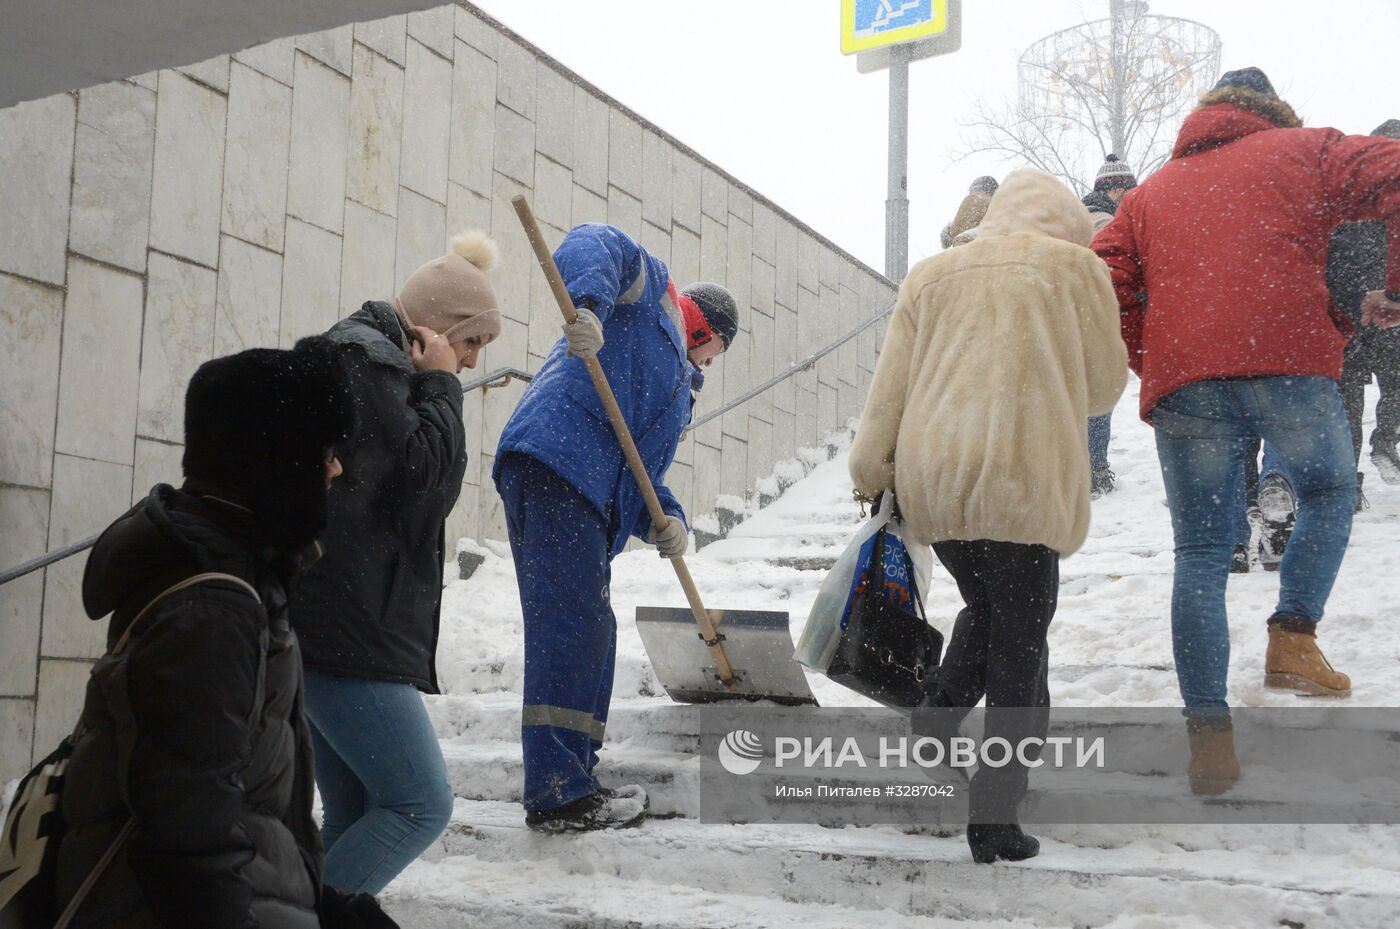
(452, 295)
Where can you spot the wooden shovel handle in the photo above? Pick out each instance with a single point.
(624, 436)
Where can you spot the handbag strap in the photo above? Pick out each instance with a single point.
(71, 910)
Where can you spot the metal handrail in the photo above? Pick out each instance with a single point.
(499, 378)
(797, 368)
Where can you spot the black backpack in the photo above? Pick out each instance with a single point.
(34, 826)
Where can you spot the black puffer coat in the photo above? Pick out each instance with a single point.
(369, 608)
(196, 729)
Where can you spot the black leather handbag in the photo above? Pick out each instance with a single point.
(886, 652)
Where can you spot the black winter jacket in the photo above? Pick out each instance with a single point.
(1356, 256)
(196, 730)
(370, 607)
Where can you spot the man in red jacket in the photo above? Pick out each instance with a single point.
(1238, 338)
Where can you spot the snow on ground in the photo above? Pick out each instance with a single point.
(1110, 645)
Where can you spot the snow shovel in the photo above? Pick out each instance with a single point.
(752, 658)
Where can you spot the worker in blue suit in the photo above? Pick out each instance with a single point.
(571, 502)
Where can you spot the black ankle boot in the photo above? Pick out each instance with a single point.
(990, 841)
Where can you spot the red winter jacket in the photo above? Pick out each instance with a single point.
(1229, 241)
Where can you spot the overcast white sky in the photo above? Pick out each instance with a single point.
(761, 87)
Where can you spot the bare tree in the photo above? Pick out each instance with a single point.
(1120, 85)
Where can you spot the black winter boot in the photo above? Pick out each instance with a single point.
(1239, 562)
(1386, 460)
(1361, 502)
(990, 841)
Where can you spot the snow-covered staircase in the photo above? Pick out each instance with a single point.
(1110, 646)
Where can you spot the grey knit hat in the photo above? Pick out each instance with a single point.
(1390, 129)
(986, 184)
(1115, 175)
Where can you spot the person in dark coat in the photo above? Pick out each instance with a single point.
(1356, 265)
(1250, 349)
(368, 613)
(1114, 179)
(571, 502)
(194, 730)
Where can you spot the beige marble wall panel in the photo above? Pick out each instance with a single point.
(249, 302)
(472, 404)
(36, 149)
(62, 687)
(765, 232)
(427, 122)
(476, 32)
(685, 256)
(554, 114)
(808, 259)
(386, 36)
(588, 207)
(16, 738)
(624, 211)
(680, 481)
(318, 157)
(734, 466)
(714, 194)
(707, 483)
(87, 496)
(515, 146)
(785, 355)
(24, 512)
(760, 339)
(624, 152)
(463, 522)
(99, 374)
(312, 279)
(422, 234)
(714, 250)
(657, 157)
(156, 463)
(554, 193)
(178, 337)
(471, 149)
(784, 435)
(785, 264)
(273, 59)
(31, 329)
(434, 29)
(760, 460)
(212, 72)
(112, 163)
(187, 180)
(657, 242)
(741, 203)
(590, 141)
(376, 131)
(738, 272)
(466, 209)
(515, 79)
(686, 191)
(333, 48)
(367, 258)
(517, 261)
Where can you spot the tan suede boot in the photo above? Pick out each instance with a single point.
(1294, 662)
(1213, 768)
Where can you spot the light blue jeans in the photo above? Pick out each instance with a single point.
(1203, 431)
(384, 791)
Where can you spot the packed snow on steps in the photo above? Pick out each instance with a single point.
(1110, 645)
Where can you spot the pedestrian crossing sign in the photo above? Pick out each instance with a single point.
(870, 24)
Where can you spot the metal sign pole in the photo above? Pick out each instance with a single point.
(897, 199)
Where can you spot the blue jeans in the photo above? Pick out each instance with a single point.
(1203, 431)
(383, 782)
(1100, 430)
(563, 568)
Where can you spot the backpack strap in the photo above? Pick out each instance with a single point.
(71, 910)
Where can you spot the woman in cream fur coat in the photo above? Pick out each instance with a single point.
(997, 353)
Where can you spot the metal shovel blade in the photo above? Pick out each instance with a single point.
(756, 641)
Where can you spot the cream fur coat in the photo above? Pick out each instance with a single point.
(997, 354)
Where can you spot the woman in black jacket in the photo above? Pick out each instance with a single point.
(194, 730)
(367, 614)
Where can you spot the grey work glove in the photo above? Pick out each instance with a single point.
(584, 334)
(670, 539)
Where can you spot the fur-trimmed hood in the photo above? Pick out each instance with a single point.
(1231, 113)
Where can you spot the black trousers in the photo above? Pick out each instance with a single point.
(1376, 352)
(998, 650)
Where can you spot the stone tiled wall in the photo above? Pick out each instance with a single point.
(157, 222)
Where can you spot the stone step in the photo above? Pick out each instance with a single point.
(494, 771)
(466, 891)
(915, 875)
